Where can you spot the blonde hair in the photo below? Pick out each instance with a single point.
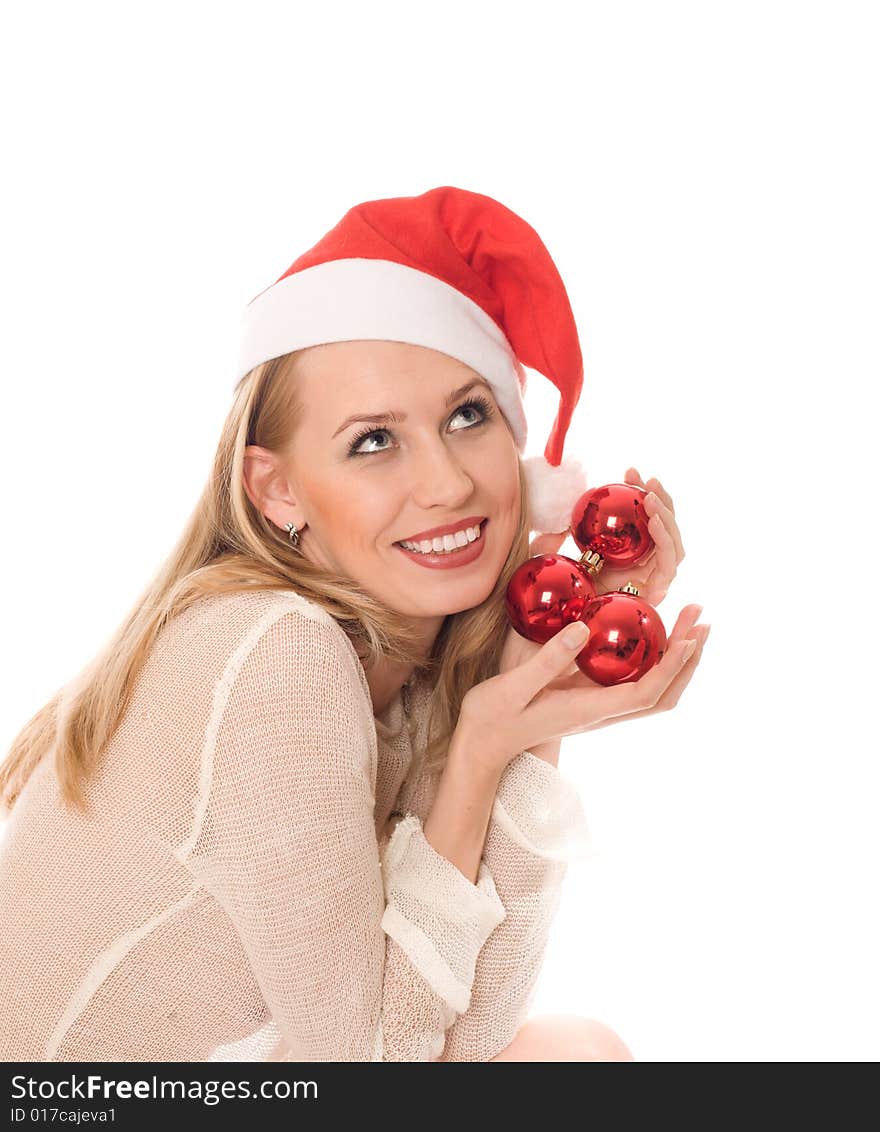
(229, 546)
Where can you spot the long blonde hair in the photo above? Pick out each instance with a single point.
(229, 546)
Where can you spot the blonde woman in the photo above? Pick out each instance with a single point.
(305, 804)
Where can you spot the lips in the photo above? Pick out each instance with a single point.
(459, 558)
(448, 529)
(456, 548)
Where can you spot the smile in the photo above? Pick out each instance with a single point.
(444, 544)
(450, 550)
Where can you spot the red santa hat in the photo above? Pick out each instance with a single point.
(455, 271)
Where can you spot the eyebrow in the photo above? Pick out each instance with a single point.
(397, 417)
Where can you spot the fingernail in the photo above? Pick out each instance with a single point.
(689, 648)
(575, 635)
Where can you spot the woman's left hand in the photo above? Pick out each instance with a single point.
(652, 575)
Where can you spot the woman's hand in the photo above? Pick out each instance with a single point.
(654, 574)
(538, 698)
(517, 648)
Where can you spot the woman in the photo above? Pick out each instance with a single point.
(305, 804)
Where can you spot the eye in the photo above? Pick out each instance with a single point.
(479, 405)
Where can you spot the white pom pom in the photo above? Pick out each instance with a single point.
(553, 492)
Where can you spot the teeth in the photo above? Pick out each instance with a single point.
(445, 543)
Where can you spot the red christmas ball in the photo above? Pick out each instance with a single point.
(627, 638)
(610, 522)
(545, 593)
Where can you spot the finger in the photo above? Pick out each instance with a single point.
(671, 696)
(643, 694)
(664, 564)
(632, 476)
(685, 621)
(662, 520)
(657, 487)
(549, 662)
(682, 678)
(553, 661)
(583, 698)
(655, 587)
(638, 695)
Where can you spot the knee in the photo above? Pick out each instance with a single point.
(568, 1037)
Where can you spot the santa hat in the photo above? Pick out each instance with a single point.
(455, 271)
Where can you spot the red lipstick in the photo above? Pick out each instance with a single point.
(438, 532)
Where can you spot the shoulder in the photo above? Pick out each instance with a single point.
(244, 606)
(232, 616)
(276, 637)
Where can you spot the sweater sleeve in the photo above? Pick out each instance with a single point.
(537, 826)
(358, 958)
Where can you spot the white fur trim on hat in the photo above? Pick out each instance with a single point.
(552, 492)
(347, 299)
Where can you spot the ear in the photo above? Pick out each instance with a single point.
(268, 488)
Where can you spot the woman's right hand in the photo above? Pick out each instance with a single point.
(547, 697)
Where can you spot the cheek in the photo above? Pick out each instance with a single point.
(507, 477)
(351, 511)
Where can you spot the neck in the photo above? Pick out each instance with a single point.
(384, 683)
(387, 677)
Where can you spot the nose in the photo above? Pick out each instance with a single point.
(439, 478)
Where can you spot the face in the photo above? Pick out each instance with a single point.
(360, 487)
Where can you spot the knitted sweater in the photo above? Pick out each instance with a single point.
(240, 886)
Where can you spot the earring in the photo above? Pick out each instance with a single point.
(293, 534)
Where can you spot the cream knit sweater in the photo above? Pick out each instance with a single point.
(234, 892)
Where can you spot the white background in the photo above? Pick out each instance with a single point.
(705, 177)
